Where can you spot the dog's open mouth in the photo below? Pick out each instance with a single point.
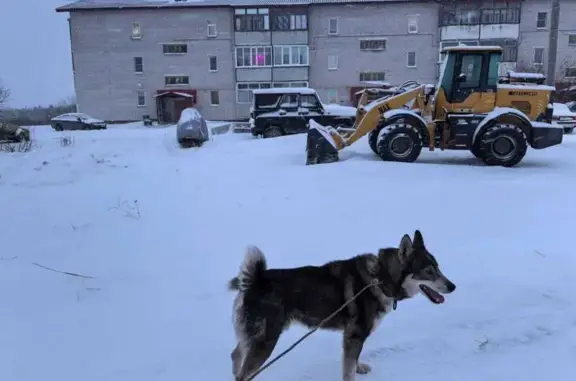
(434, 297)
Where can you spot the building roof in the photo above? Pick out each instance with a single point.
(81, 5)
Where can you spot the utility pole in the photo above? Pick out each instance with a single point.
(553, 43)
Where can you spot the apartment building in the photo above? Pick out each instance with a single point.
(140, 57)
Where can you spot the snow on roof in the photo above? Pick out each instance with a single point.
(131, 4)
(515, 74)
(285, 90)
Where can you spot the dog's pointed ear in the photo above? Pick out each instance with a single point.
(418, 239)
(405, 248)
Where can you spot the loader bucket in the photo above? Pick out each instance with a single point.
(320, 146)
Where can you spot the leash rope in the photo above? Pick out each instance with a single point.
(374, 282)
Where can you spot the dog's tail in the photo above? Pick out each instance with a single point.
(251, 270)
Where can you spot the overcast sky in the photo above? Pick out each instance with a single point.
(35, 61)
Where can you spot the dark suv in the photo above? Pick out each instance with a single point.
(284, 111)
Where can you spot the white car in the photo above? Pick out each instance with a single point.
(564, 117)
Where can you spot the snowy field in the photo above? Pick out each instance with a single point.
(160, 230)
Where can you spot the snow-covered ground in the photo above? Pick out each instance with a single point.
(161, 230)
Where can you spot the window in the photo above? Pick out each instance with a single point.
(141, 96)
(211, 30)
(213, 63)
(290, 22)
(572, 39)
(290, 84)
(493, 67)
(411, 59)
(538, 56)
(510, 52)
(254, 56)
(296, 55)
(332, 62)
(214, 98)
(541, 20)
(289, 101)
(138, 65)
(333, 26)
(372, 76)
(175, 48)
(373, 44)
(570, 72)
(413, 24)
(136, 31)
(332, 95)
(251, 19)
(501, 15)
(175, 80)
(472, 68)
(471, 17)
(309, 101)
(244, 91)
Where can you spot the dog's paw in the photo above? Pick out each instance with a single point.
(362, 368)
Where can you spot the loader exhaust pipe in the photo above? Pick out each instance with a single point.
(320, 146)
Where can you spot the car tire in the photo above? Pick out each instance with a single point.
(58, 127)
(399, 142)
(569, 130)
(272, 132)
(504, 145)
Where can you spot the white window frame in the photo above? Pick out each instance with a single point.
(176, 84)
(534, 55)
(214, 30)
(136, 31)
(329, 97)
(545, 20)
(413, 21)
(371, 72)
(292, 84)
(337, 21)
(293, 60)
(141, 66)
(267, 85)
(374, 39)
(569, 68)
(332, 62)
(210, 93)
(210, 64)
(174, 44)
(253, 49)
(140, 94)
(408, 60)
(574, 36)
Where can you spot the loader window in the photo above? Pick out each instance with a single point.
(467, 77)
(493, 70)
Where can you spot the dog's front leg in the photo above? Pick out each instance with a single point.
(353, 342)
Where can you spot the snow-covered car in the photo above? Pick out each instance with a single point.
(12, 133)
(288, 110)
(564, 117)
(76, 121)
(192, 129)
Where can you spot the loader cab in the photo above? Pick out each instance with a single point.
(469, 78)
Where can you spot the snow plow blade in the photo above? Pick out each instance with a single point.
(322, 145)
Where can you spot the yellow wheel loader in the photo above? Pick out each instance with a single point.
(469, 109)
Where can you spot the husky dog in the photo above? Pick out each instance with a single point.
(268, 300)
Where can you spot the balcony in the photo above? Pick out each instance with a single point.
(253, 26)
(480, 24)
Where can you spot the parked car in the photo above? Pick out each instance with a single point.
(12, 133)
(564, 117)
(285, 110)
(192, 129)
(76, 121)
(572, 106)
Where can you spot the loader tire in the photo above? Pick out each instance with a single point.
(503, 144)
(373, 140)
(399, 142)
